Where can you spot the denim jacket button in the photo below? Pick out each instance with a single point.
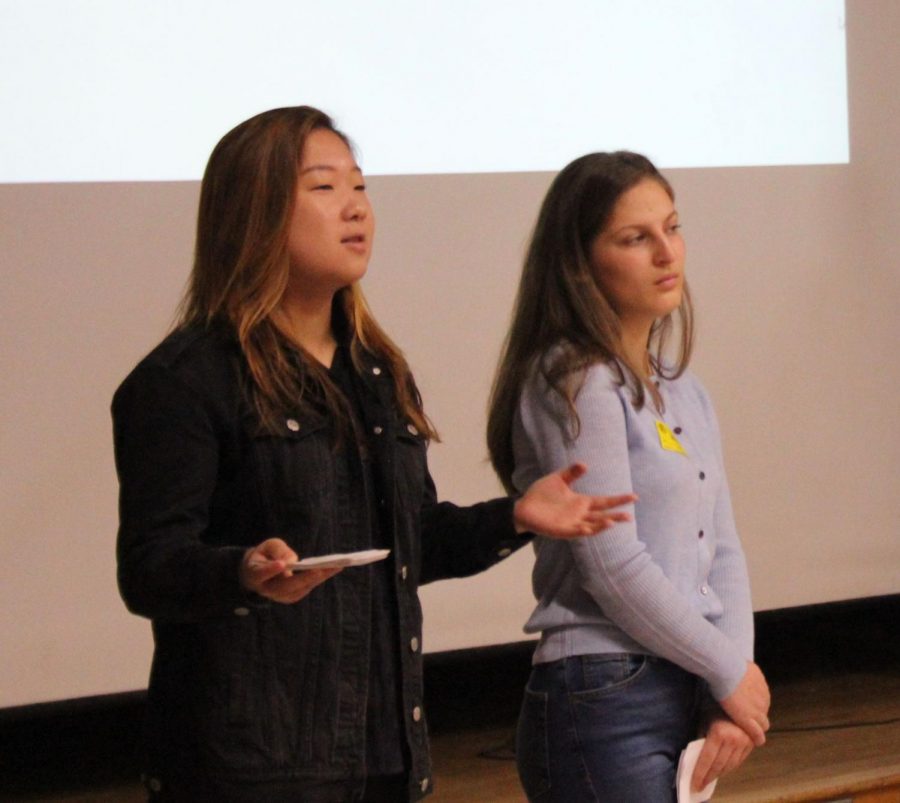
(417, 714)
(293, 424)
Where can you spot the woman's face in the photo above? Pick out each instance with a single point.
(638, 258)
(331, 230)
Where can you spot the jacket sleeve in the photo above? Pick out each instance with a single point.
(461, 541)
(167, 459)
(614, 567)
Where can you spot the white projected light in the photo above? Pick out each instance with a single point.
(109, 90)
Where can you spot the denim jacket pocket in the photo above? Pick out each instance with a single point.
(410, 461)
(292, 474)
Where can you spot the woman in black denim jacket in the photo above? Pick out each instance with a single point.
(279, 421)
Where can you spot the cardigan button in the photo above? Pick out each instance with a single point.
(241, 611)
(293, 424)
(417, 714)
(414, 644)
(377, 430)
(704, 590)
(424, 784)
(677, 430)
(376, 370)
(404, 572)
(410, 428)
(504, 553)
(702, 475)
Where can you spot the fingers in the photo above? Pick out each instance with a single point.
(607, 502)
(577, 470)
(748, 705)
(725, 749)
(297, 586)
(257, 572)
(550, 507)
(573, 472)
(276, 549)
(593, 524)
(718, 766)
(753, 724)
(753, 728)
(704, 764)
(264, 570)
(263, 562)
(757, 733)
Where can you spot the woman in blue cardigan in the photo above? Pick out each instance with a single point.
(278, 421)
(646, 634)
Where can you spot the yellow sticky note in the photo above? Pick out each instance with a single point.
(667, 439)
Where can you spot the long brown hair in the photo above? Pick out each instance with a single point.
(241, 269)
(562, 320)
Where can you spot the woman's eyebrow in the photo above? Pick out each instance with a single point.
(639, 224)
(332, 168)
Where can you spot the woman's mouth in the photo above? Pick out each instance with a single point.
(356, 242)
(668, 282)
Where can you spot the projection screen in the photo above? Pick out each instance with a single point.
(462, 113)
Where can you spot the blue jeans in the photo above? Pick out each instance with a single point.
(605, 728)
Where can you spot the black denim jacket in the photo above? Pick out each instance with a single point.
(246, 693)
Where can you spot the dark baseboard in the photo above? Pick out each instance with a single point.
(836, 637)
(91, 742)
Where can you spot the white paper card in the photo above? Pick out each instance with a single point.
(686, 765)
(340, 559)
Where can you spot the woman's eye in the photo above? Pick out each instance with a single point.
(360, 187)
(323, 187)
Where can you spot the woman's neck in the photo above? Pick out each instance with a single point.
(308, 324)
(635, 339)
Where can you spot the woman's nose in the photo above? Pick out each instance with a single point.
(355, 209)
(665, 251)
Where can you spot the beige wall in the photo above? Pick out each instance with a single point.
(796, 276)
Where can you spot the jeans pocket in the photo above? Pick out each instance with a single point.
(593, 676)
(532, 753)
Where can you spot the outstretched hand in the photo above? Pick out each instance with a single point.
(264, 571)
(550, 507)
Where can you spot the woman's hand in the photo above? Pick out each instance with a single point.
(726, 748)
(749, 704)
(264, 571)
(550, 507)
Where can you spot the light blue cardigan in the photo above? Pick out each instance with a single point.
(673, 582)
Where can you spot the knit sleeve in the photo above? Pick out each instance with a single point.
(614, 567)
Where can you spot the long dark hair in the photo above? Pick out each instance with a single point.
(561, 309)
(241, 270)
